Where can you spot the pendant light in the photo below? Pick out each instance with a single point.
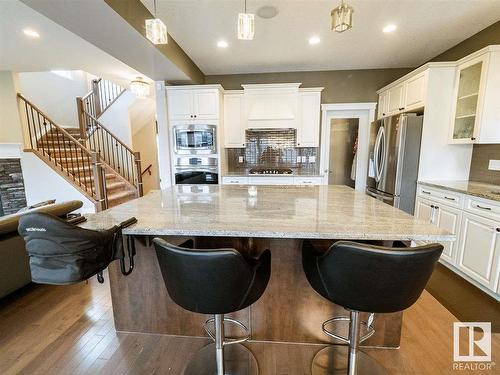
(342, 17)
(139, 87)
(156, 30)
(246, 25)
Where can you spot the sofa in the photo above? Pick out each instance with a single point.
(14, 262)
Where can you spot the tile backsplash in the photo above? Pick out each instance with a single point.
(272, 148)
(481, 156)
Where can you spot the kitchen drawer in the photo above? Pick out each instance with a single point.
(447, 197)
(483, 207)
(307, 180)
(270, 180)
(235, 180)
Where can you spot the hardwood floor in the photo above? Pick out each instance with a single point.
(70, 330)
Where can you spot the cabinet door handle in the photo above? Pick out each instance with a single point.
(401, 108)
(432, 206)
(450, 199)
(426, 192)
(483, 208)
(497, 229)
(473, 138)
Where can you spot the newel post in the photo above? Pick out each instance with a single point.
(99, 183)
(138, 171)
(97, 97)
(81, 118)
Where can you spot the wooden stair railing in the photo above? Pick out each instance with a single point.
(65, 154)
(125, 161)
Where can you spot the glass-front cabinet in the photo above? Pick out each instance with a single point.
(467, 102)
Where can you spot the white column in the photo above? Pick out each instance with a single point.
(164, 162)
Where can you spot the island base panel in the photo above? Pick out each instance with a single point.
(288, 311)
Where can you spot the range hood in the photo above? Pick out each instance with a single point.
(272, 106)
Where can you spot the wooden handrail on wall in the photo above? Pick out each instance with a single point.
(148, 170)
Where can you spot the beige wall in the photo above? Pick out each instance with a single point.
(10, 125)
(341, 86)
(145, 142)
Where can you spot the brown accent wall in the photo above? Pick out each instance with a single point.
(135, 13)
(486, 37)
(341, 86)
(481, 156)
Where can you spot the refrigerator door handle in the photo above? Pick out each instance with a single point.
(376, 152)
(383, 145)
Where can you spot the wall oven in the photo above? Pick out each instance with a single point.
(195, 139)
(196, 170)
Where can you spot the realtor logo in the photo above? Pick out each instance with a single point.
(472, 341)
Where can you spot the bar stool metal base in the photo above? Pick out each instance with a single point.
(238, 360)
(333, 360)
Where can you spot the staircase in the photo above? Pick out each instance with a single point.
(90, 157)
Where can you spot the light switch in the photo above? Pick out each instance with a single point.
(304, 159)
(299, 159)
(312, 159)
(494, 165)
(241, 159)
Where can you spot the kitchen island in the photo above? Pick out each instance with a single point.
(252, 219)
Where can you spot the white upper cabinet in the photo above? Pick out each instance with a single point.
(396, 97)
(234, 122)
(406, 95)
(309, 117)
(382, 104)
(415, 90)
(193, 103)
(476, 112)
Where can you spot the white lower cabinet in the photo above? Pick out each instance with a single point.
(480, 249)
(449, 218)
(475, 255)
(424, 210)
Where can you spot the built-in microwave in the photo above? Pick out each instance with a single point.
(195, 139)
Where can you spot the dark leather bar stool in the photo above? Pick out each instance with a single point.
(216, 282)
(364, 278)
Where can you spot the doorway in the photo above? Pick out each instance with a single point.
(343, 151)
(339, 123)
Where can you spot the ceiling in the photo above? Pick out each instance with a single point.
(56, 49)
(425, 29)
(120, 57)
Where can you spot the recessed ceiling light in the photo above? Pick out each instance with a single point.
(314, 40)
(222, 44)
(390, 28)
(31, 33)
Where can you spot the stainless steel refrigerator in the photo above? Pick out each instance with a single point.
(393, 160)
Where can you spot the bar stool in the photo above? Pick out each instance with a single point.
(216, 282)
(364, 278)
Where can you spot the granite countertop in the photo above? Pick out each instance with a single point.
(477, 189)
(328, 212)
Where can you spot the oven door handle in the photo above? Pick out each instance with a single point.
(190, 169)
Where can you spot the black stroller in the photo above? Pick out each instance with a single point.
(62, 253)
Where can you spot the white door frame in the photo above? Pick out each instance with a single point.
(365, 112)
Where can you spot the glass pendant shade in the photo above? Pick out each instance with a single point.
(156, 31)
(139, 88)
(342, 18)
(246, 26)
